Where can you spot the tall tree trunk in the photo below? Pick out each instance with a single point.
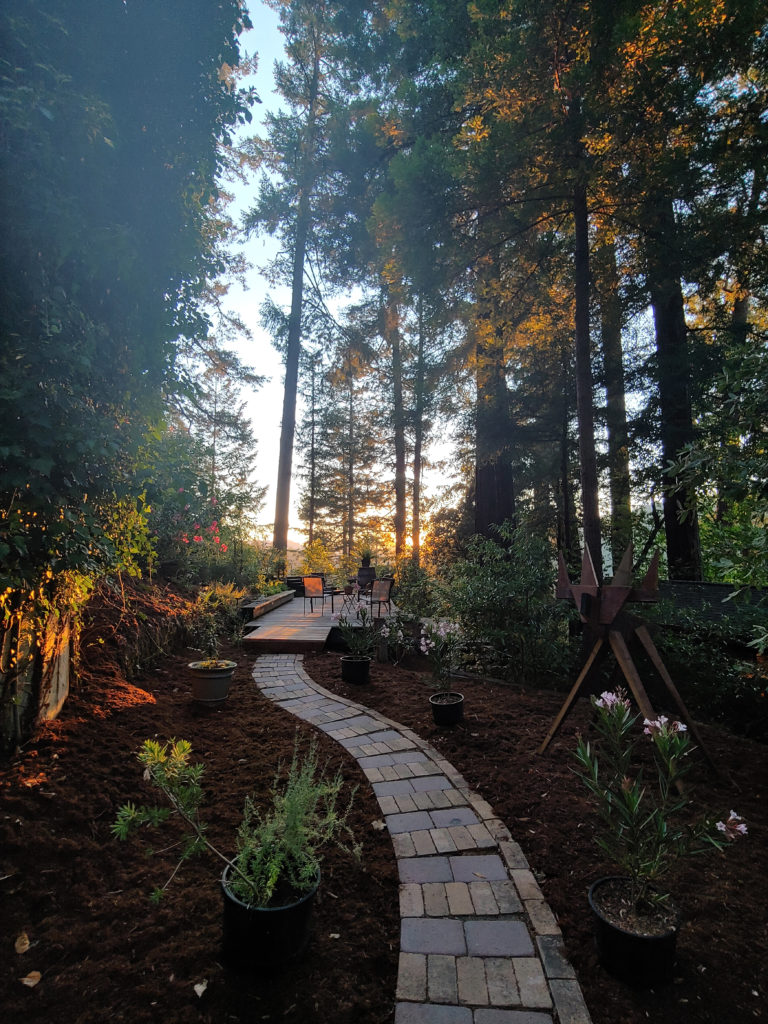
(567, 540)
(392, 336)
(418, 439)
(312, 510)
(351, 467)
(681, 524)
(494, 479)
(584, 398)
(293, 347)
(616, 411)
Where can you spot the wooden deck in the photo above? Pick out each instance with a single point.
(287, 630)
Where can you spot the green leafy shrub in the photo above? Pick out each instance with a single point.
(414, 591)
(215, 613)
(277, 850)
(502, 596)
(708, 662)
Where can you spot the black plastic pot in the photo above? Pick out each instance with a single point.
(447, 707)
(355, 669)
(257, 939)
(640, 960)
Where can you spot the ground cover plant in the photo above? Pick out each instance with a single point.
(104, 951)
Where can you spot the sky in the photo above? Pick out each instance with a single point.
(264, 407)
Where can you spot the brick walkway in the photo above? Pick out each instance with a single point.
(478, 942)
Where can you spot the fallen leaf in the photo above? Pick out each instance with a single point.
(334, 935)
(378, 825)
(478, 875)
(200, 988)
(21, 945)
(31, 979)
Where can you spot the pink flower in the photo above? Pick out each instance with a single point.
(610, 700)
(223, 547)
(661, 723)
(197, 538)
(181, 490)
(733, 827)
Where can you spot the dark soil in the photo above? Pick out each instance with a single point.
(104, 952)
(722, 973)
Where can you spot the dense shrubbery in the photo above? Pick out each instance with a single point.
(710, 664)
(502, 596)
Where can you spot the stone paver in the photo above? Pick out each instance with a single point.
(478, 942)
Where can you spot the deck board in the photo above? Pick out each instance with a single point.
(287, 630)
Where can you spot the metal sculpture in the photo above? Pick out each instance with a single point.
(609, 627)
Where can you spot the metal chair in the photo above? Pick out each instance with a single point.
(365, 577)
(314, 590)
(381, 593)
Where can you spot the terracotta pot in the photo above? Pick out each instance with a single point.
(637, 958)
(257, 939)
(447, 707)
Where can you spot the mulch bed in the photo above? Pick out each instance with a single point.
(104, 952)
(721, 974)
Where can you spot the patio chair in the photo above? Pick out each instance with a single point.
(314, 590)
(381, 593)
(365, 577)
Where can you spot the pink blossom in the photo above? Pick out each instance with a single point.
(609, 701)
(661, 723)
(733, 827)
(223, 547)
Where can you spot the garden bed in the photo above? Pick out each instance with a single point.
(105, 952)
(722, 973)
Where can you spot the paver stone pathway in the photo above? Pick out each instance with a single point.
(478, 942)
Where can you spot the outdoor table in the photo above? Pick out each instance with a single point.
(333, 594)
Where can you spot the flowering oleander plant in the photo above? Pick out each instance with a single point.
(643, 829)
(360, 630)
(442, 644)
(398, 638)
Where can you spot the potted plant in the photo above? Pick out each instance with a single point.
(268, 885)
(442, 644)
(212, 675)
(365, 557)
(361, 636)
(645, 830)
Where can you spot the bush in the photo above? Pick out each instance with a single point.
(414, 590)
(215, 613)
(501, 594)
(716, 680)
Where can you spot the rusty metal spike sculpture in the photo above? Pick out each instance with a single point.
(607, 626)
